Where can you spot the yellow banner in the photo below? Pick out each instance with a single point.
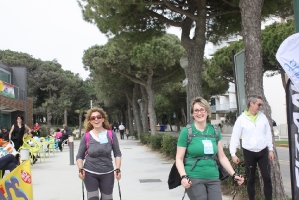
(17, 184)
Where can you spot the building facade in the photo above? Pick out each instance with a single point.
(13, 96)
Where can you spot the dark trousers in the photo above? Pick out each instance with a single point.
(95, 182)
(262, 159)
(122, 134)
(8, 162)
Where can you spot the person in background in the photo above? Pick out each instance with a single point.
(110, 127)
(97, 172)
(66, 128)
(201, 177)
(57, 134)
(17, 132)
(257, 144)
(4, 134)
(127, 133)
(63, 137)
(37, 129)
(8, 162)
(121, 131)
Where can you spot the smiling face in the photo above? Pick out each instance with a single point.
(96, 119)
(200, 113)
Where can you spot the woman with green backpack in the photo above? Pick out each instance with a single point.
(199, 148)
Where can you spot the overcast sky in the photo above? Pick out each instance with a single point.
(48, 30)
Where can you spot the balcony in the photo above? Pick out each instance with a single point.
(224, 108)
(11, 91)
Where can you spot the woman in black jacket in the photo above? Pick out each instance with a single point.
(17, 132)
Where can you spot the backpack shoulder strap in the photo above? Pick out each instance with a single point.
(87, 139)
(110, 135)
(216, 133)
(190, 133)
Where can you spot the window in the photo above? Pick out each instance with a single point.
(5, 76)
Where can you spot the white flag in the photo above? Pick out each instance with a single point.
(288, 57)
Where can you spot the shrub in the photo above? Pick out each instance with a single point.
(169, 144)
(156, 141)
(145, 138)
(135, 135)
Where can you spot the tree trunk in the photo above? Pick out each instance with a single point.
(65, 116)
(130, 116)
(169, 121)
(49, 117)
(253, 72)
(136, 111)
(195, 49)
(184, 116)
(144, 111)
(151, 105)
(283, 79)
(80, 124)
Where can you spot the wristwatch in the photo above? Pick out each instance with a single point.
(117, 170)
(80, 170)
(184, 176)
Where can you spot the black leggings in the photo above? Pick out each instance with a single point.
(262, 159)
(104, 182)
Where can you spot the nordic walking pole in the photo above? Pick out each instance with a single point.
(117, 171)
(83, 189)
(82, 184)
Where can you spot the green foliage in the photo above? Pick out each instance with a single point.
(145, 138)
(43, 131)
(169, 145)
(156, 141)
(240, 168)
(135, 134)
(221, 64)
(272, 37)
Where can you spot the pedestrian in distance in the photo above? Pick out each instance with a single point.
(253, 126)
(17, 132)
(127, 133)
(121, 131)
(66, 128)
(95, 148)
(195, 159)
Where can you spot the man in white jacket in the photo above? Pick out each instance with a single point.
(253, 126)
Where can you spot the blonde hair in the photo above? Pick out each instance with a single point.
(202, 102)
(88, 126)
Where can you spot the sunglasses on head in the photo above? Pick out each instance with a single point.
(95, 117)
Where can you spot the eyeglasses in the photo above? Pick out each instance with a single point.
(260, 105)
(95, 117)
(202, 110)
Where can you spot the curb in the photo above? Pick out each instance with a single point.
(282, 145)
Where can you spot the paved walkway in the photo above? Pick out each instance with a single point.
(56, 179)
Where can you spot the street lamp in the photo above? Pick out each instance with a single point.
(184, 65)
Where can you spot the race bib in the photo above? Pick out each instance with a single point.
(208, 147)
(103, 137)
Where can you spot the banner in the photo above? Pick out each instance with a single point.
(292, 95)
(17, 184)
(7, 89)
(288, 57)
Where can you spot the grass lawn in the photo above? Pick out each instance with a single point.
(282, 142)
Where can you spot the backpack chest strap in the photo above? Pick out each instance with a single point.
(198, 159)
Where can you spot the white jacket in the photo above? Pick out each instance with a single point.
(255, 136)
